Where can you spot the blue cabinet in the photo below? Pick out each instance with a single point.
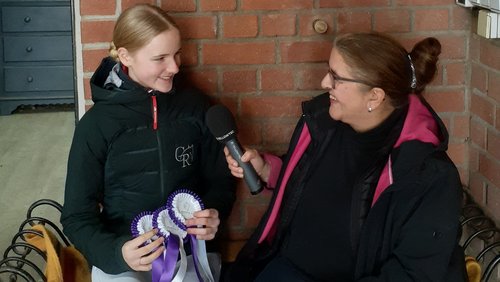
(36, 54)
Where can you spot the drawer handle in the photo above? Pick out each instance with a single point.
(29, 49)
(30, 79)
(27, 19)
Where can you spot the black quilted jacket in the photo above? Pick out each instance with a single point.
(119, 160)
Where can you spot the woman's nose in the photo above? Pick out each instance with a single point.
(326, 82)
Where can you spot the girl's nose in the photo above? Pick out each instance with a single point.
(173, 65)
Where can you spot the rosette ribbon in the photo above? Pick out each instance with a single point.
(170, 221)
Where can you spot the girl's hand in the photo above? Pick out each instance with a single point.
(140, 257)
(204, 224)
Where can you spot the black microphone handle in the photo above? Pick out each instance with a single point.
(249, 174)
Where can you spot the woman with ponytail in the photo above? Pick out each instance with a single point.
(366, 191)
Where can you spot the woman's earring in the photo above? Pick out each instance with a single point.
(370, 109)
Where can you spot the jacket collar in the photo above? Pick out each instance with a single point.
(423, 133)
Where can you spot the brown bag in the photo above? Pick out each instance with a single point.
(65, 264)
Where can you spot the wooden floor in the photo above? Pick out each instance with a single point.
(33, 155)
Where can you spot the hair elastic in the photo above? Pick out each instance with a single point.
(413, 76)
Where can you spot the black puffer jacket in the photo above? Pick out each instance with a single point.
(119, 160)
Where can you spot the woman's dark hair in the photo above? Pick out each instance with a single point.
(382, 61)
(137, 26)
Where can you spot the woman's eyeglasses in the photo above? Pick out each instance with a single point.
(336, 78)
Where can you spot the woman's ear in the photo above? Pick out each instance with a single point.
(124, 56)
(376, 97)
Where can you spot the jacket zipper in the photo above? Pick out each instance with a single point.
(159, 142)
(155, 109)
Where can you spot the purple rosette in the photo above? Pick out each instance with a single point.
(170, 220)
(181, 205)
(141, 224)
(162, 222)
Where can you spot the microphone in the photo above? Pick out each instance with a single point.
(221, 123)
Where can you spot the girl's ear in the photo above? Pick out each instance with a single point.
(124, 56)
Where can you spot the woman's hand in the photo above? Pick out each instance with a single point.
(140, 257)
(204, 224)
(251, 155)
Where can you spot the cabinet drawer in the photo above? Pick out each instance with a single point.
(18, 19)
(37, 48)
(41, 78)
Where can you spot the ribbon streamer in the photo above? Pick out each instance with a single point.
(181, 272)
(200, 259)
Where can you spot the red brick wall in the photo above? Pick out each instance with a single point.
(261, 58)
(484, 105)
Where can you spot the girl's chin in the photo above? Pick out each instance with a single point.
(164, 88)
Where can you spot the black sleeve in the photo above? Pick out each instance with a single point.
(80, 216)
(429, 238)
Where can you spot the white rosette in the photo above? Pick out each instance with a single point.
(143, 223)
(182, 204)
(167, 227)
(170, 221)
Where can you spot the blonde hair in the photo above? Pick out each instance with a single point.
(137, 26)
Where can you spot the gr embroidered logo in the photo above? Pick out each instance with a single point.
(184, 155)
